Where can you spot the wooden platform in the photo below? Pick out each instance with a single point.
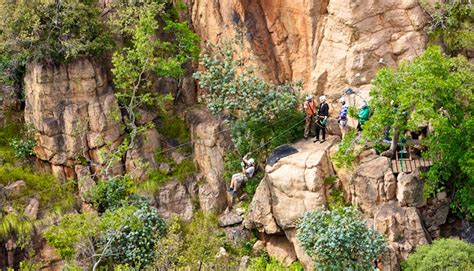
(409, 165)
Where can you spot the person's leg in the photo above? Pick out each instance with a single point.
(307, 126)
(317, 128)
(323, 130)
(359, 126)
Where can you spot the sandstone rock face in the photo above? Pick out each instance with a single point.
(174, 199)
(9, 101)
(296, 182)
(327, 44)
(281, 249)
(403, 228)
(435, 213)
(409, 190)
(72, 108)
(291, 187)
(260, 215)
(142, 156)
(372, 184)
(210, 141)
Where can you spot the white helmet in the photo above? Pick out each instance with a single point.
(322, 98)
(251, 161)
(309, 98)
(343, 99)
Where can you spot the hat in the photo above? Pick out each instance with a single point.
(343, 99)
(309, 98)
(251, 161)
(322, 98)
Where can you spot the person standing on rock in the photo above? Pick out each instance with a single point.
(322, 119)
(364, 113)
(342, 118)
(248, 169)
(310, 110)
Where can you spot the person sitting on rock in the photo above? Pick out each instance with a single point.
(322, 119)
(248, 169)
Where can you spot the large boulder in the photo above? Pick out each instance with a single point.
(211, 141)
(403, 228)
(174, 199)
(141, 157)
(292, 186)
(281, 249)
(72, 108)
(296, 182)
(373, 183)
(409, 190)
(434, 213)
(259, 214)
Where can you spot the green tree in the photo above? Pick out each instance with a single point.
(452, 24)
(436, 91)
(53, 31)
(443, 254)
(263, 115)
(339, 239)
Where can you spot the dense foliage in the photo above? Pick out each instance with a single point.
(54, 31)
(339, 240)
(452, 23)
(262, 115)
(110, 194)
(436, 91)
(443, 254)
(127, 234)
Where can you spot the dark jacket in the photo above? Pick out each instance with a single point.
(323, 110)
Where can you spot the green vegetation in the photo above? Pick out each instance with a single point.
(452, 24)
(443, 254)
(158, 177)
(109, 194)
(23, 146)
(345, 155)
(125, 235)
(54, 31)
(339, 239)
(174, 127)
(263, 115)
(437, 91)
(264, 262)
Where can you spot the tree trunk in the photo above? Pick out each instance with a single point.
(394, 144)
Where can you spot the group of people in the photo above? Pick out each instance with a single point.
(317, 117)
(316, 120)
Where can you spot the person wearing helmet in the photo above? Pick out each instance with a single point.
(364, 113)
(310, 110)
(342, 118)
(322, 119)
(248, 169)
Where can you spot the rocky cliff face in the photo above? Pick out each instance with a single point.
(74, 111)
(329, 44)
(392, 205)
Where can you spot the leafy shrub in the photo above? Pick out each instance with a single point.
(24, 142)
(202, 239)
(452, 24)
(52, 30)
(264, 262)
(110, 194)
(134, 238)
(345, 155)
(339, 240)
(71, 230)
(173, 127)
(443, 254)
(256, 109)
(126, 235)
